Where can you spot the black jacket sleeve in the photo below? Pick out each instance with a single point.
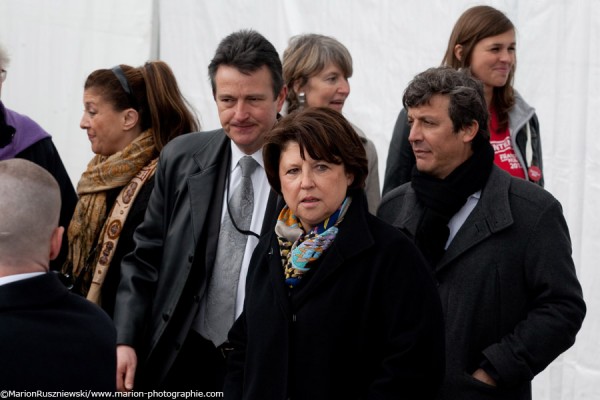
(400, 159)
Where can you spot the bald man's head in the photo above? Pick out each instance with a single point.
(29, 212)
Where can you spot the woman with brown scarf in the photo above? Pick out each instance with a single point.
(129, 114)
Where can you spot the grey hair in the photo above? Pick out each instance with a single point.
(467, 101)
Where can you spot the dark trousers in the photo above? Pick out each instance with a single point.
(200, 366)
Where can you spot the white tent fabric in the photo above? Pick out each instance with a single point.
(55, 44)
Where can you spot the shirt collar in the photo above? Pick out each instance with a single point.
(18, 277)
(237, 154)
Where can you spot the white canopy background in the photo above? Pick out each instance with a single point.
(55, 44)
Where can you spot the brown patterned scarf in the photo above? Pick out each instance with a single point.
(102, 174)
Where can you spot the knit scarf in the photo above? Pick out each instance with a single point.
(298, 248)
(102, 174)
(443, 198)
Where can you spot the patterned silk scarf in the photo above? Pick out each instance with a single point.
(298, 248)
(102, 174)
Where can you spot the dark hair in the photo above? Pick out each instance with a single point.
(472, 26)
(247, 51)
(306, 56)
(325, 135)
(467, 101)
(155, 95)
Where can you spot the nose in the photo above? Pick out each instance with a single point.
(241, 110)
(507, 56)
(415, 134)
(344, 86)
(84, 123)
(307, 181)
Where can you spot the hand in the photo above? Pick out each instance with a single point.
(483, 376)
(126, 365)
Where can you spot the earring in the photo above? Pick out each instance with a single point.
(301, 99)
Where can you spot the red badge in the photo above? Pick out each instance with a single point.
(535, 174)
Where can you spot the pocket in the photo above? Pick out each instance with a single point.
(476, 382)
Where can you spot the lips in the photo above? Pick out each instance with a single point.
(309, 200)
(243, 127)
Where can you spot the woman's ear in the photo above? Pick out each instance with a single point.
(297, 86)
(458, 52)
(349, 178)
(130, 119)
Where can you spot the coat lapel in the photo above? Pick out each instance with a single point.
(491, 215)
(208, 180)
(276, 276)
(353, 238)
(409, 214)
(275, 204)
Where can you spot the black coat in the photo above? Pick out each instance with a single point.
(51, 339)
(507, 283)
(366, 324)
(164, 278)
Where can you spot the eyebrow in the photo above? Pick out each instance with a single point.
(502, 44)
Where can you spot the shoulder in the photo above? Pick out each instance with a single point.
(181, 153)
(194, 142)
(18, 118)
(530, 194)
(89, 308)
(375, 232)
(395, 197)
(526, 199)
(384, 233)
(521, 110)
(393, 253)
(363, 138)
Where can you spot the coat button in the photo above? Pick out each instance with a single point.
(165, 317)
(190, 258)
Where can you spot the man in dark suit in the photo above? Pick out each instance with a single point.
(498, 246)
(50, 339)
(162, 307)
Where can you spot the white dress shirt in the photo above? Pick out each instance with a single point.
(460, 217)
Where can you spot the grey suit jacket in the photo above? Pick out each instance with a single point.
(507, 283)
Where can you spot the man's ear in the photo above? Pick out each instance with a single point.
(458, 52)
(130, 118)
(470, 131)
(56, 241)
(281, 98)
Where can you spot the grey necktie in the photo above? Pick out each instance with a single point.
(222, 288)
